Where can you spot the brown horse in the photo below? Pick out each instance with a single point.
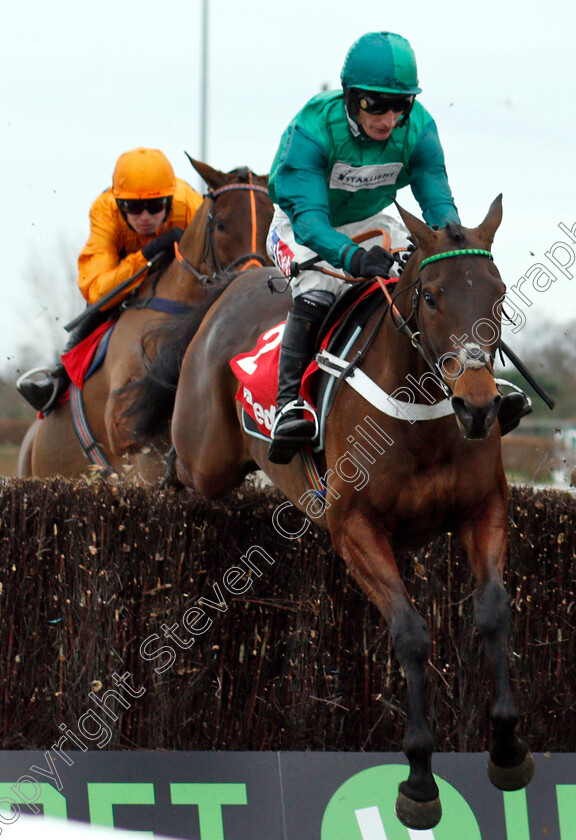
(393, 479)
(228, 231)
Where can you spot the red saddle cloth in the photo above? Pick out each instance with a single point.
(257, 373)
(77, 361)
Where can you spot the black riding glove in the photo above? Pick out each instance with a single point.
(376, 261)
(162, 243)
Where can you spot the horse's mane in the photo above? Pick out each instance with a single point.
(149, 401)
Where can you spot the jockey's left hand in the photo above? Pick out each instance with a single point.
(164, 242)
(375, 262)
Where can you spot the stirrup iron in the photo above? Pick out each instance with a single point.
(27, 379)
(296, 405)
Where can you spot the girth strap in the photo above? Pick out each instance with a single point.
(92, 449)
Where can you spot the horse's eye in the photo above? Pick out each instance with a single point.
(430, 300)
(220, 226)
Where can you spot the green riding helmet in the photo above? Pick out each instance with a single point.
(383, 62)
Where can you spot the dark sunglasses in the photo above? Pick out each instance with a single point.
(379, 103)
(136, 206)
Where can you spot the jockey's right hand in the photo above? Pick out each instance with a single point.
(375, 262)
(163, 242)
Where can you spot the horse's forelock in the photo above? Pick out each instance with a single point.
(241, 175)
(455, 232)
(244, 175)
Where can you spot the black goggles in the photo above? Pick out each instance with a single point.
(380, 103)
(136, 206)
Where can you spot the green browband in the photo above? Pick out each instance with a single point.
(463, 253)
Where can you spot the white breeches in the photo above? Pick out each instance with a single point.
(283, 250)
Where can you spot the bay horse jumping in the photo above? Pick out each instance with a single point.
(227, 232)
(439, 471)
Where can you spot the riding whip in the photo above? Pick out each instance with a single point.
(99, 304)
(528, 376)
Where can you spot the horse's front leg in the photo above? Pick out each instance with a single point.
(370, 558)
(511, 765)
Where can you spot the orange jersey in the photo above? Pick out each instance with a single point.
(113, 252)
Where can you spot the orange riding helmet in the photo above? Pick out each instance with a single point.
(143, 173)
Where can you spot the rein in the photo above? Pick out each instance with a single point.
(203, 278)
(403, 324)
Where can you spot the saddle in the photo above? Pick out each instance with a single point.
(257, 370)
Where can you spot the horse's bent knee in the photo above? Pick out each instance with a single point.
(492, 609)
(411, 639)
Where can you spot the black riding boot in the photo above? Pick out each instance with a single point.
(42, 387)
(43, 393)
(513, 408)
(291, 429)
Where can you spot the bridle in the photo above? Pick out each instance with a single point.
(470, 355)
(172, 307)
(251, 259)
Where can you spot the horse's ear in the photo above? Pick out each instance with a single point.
(213, 177)
(424, 236)
(491, 223)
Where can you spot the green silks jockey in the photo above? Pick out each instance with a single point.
(340, 163)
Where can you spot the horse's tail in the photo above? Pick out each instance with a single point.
(148, 402)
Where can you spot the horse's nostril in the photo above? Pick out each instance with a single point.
(461, 409)
(475, 421)
(493, 413)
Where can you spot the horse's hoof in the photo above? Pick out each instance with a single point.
(418, 815)
(512, 778)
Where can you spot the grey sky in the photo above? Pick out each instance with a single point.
(81, 83)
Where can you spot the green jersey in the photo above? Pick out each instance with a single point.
(327, 173)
